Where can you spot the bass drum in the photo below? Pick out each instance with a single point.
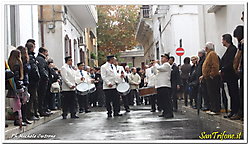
(123, 88)
(91, 88)
(82, 89)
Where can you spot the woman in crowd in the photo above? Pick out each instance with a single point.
(16, 66)
(26, 70)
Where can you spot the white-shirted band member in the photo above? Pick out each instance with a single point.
(110, 80)
(82, 76)
(163, 85)
(68, 88)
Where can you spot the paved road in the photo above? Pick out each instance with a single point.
(139, 124)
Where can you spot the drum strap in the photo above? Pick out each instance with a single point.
(81, 73)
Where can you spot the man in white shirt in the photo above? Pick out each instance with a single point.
(82, 99)
(163, 85)
(120, 70)
(68, 89)
(110, 80)
(150, 82)
(134, 81)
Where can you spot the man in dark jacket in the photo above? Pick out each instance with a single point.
(34, 77)
(228, 74)
(193, 82)
(43, 83)
(175, 82)
(203, 93)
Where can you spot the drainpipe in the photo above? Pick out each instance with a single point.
(42, 27)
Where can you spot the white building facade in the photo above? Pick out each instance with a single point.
(216, 20)
(20, 24)
(64, 33)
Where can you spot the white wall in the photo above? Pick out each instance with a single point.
(26, 26)
(53, 42)
(214, 25)
(180, 23)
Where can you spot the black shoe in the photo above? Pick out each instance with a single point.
(127, 110)
(74, 116)
(27, 122)
(204, 109)
(161, 115)
(153, 110)
(6, 125)
(64, 117)
(81, 111)
(118, 114)
(34, 118)
(50, 113)
(45, 114)
(229, 115)
(37, 116)
(88, 111)
(169, 116)
(109, 115)
(16, 123)
(194, 107)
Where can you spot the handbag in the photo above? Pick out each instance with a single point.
(8, 74)
(55, 87)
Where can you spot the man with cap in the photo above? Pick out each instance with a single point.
(163, 85)
(68, 88)
(110, 80)
(82, 76)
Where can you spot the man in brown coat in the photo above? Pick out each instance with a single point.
(210, 72)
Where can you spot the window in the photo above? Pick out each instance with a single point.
(13, 25)
(66, 46)
(82, 56)
(146, 11)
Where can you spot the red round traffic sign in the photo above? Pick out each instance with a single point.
(180, 51)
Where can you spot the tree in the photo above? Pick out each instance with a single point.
(116, 28)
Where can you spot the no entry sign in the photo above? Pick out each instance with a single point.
(180, 51)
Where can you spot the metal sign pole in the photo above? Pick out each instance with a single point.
(180, 56)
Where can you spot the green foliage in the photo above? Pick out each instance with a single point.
(116, 28)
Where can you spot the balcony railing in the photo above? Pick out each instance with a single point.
(145, 11)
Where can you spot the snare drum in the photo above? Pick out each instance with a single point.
(147, 91)
(123, 88)
(82, 89)
(91, 88)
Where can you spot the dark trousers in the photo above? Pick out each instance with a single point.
(174, 98)
(112, 96)
(164, 98)
(83, 102)
(32, 105)
(193, 95)
(100, 96)
(42, 92)
(213, 89)
(185, 91)
(125, 100)
(69, 102)
(93, 98)
(135, 94)
(206, 100)
(241, 93)
(24, 111)
(153, 99)
(233, 90)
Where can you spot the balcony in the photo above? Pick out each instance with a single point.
(86, 15)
